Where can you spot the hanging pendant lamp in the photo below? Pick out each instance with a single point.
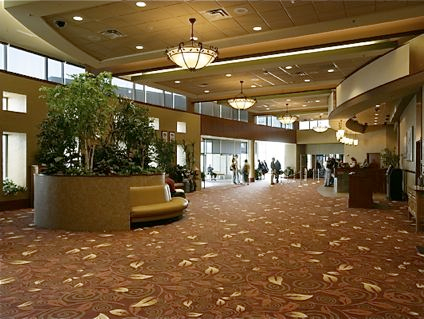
(320, 128)
(192, 55)
(241, 101)
(287, 118)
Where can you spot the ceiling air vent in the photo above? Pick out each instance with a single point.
(216, 14)
(112, 34)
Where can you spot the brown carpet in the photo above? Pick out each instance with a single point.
(256, 251)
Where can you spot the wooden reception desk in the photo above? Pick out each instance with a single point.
(376, 176)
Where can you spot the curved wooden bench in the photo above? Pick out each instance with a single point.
(151, 203)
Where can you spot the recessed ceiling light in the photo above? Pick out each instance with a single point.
(77, 18)
(288, 100)
(206, 91)
(241, 10)
(140, 4)
(330, 70)
(257, 28)
(288, 67)
(228, 75)
(253, 86)
(303, 105)
(177, 81)
(317, 101)
(139, 47)
(307, 80)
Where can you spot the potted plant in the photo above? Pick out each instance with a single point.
(390, 158)
(93, 146)
(10, 188)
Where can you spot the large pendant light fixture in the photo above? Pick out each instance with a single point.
(287, 118)
(192, 55)
(241, 101)
(320, 128)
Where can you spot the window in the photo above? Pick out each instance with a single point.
(180, 102)
(139, 93)
(181, 155)
(261, 120)
(14, 102)
(243, 116)
(275, 122)
(304, 125)
(154, 96)
(26, 63)
(2, 56)
(227, 112)
(54, 71)
(169, 99)
(125, 88)
(14, 151)
(181, 127)
(70, 70)
(154, 122)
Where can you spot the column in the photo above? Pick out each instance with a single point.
(251, 156)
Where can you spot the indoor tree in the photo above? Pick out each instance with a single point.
(90, 129)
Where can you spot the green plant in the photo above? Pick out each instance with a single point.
(89, 129)
(10, 188)
(288, 171)
(165, 154)
(389, 157)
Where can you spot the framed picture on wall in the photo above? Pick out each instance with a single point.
(410, 144)
(165, 136)
(171, 136)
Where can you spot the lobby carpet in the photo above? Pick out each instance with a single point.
(256, 251)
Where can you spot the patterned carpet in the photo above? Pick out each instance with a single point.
(256, 251)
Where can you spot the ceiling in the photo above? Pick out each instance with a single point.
(107, 37)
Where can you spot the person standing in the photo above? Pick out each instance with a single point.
(235, 168)
(277, 170)
(245, 171)
(264, 169)
(272, 170)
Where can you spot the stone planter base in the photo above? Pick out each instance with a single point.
(86, 203)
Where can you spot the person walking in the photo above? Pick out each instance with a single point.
(245, 171)
(235, 168)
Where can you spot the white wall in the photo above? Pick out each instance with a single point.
(392, 66)
(374, 141)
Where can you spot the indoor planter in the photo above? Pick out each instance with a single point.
(93, 146)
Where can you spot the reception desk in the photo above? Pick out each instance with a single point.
(360, 190)
(377, 178)
(416, 206)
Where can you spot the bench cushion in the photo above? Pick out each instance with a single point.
(149, 203)
(146, 195)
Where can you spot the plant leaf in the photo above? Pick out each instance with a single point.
(140, 276)
(329, 278)
(19, 262)
(298, 296)
(119, 312)
(371, 287)
(296, 314)
(146, 302)
(211, 270)
(277, 280)
(6, 281)
(344, 267)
